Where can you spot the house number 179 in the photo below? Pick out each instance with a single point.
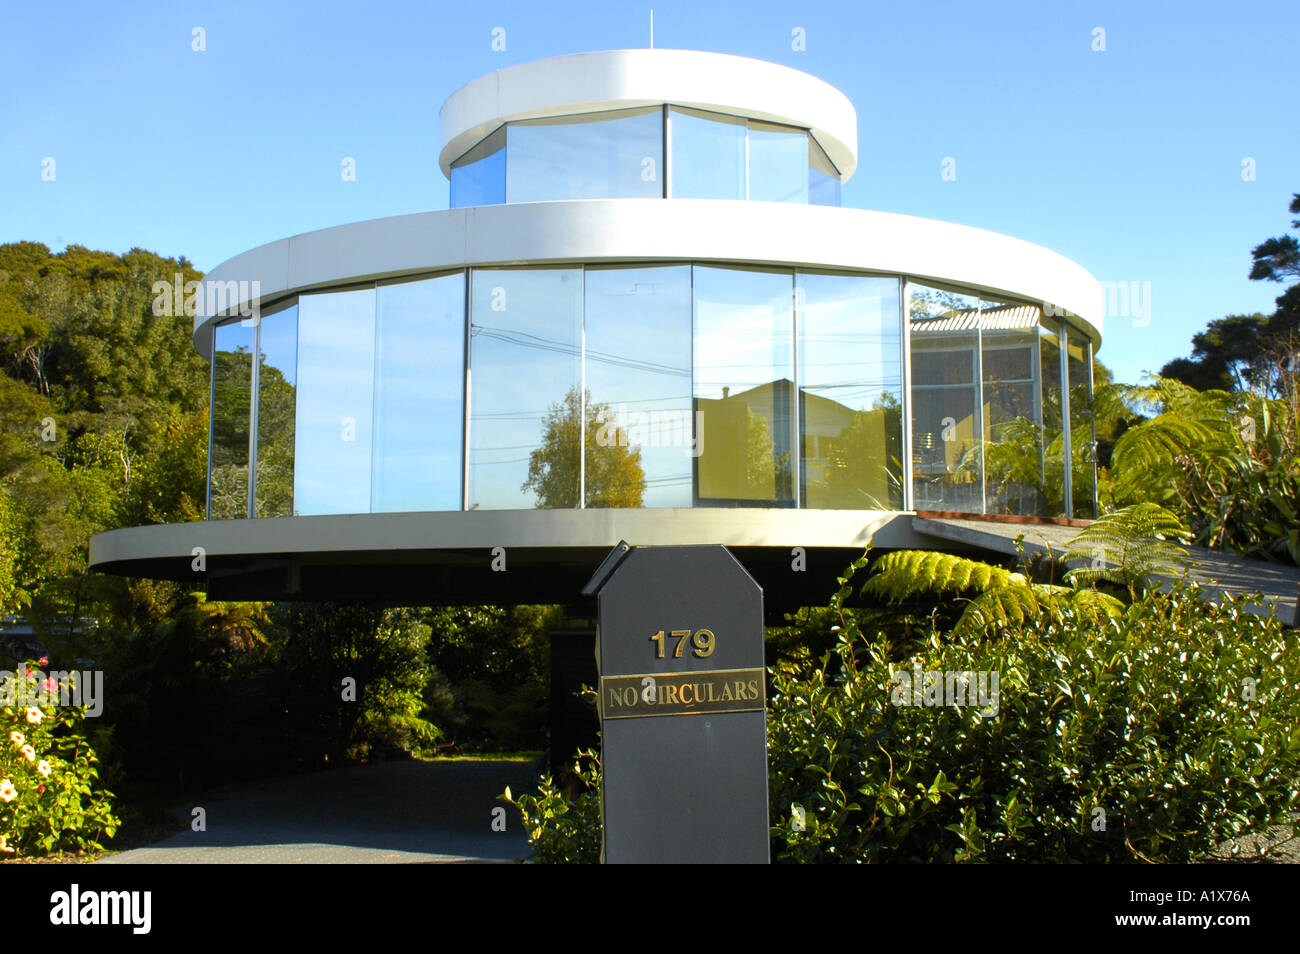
(702, 642)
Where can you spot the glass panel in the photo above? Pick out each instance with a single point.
(419, 390)
(823, 177)
(708, 155)
(1049, 363)
(525, 335)
(947, 463)
(778, 163)
(479, 176)
(614, 154)
(1013, 449)
(850, 385)
(744, 392)
(336, 361)
(276, 407)
(638, 377)
(232, 386)
(1083, 449)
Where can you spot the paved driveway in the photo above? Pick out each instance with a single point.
(383, 812)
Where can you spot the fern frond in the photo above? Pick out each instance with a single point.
(1012, 603)
(906, 573)
(1156, 444)
(1128, 546)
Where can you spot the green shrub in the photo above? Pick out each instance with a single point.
(1153, 736)
(49, 799)
(563, 822)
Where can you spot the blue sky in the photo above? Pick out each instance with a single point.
(1128, 161)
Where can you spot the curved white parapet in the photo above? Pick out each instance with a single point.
(636, 230)
(619, 79)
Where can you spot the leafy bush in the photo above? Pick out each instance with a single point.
(563, 822)
(49, 799)
(1228, 464)
(1154, 735)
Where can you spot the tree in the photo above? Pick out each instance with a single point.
(614, 476)
(1242, 352)
(1278, 259)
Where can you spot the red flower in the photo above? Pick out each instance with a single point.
(44, 660)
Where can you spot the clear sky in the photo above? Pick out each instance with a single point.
(1127, 160)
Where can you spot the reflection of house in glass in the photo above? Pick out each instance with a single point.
(645, 316)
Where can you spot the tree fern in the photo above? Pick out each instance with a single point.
(907, 573)
(1128, 547)
(1012, 603)
(997, 596)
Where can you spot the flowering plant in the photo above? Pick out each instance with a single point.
(50, 799)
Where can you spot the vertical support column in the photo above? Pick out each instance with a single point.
(464, 452)
(796, 446)
(582, 397)
(664, 170)
(254, 386)
(212, 416)
(1067, 462)
(979, 404)
(905, 341)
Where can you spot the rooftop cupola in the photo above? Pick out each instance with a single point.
(647, 124)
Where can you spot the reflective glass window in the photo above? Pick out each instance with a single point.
(1013, 449)
(640, 432)
(615, 154)
(947, 463)
(744, 390)
(1049, 363)
(232, 394)
(479, 176)
(1083, 448)
(277, 399)
(823, 177)
(525, 401)
(708, 154)
(778, 163)
(419, 394)
(336, 363)
(850, 390)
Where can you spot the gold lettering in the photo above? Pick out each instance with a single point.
(710, 685)
(726, 693)
(753, 689)
(668, 694)
(740, 691)
(685, 701)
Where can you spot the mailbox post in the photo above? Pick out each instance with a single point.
(682, 707)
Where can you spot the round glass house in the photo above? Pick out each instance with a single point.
(645, 317)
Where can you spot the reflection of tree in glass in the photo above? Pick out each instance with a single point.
(614, 476)
(233, 387)
(276, 403)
